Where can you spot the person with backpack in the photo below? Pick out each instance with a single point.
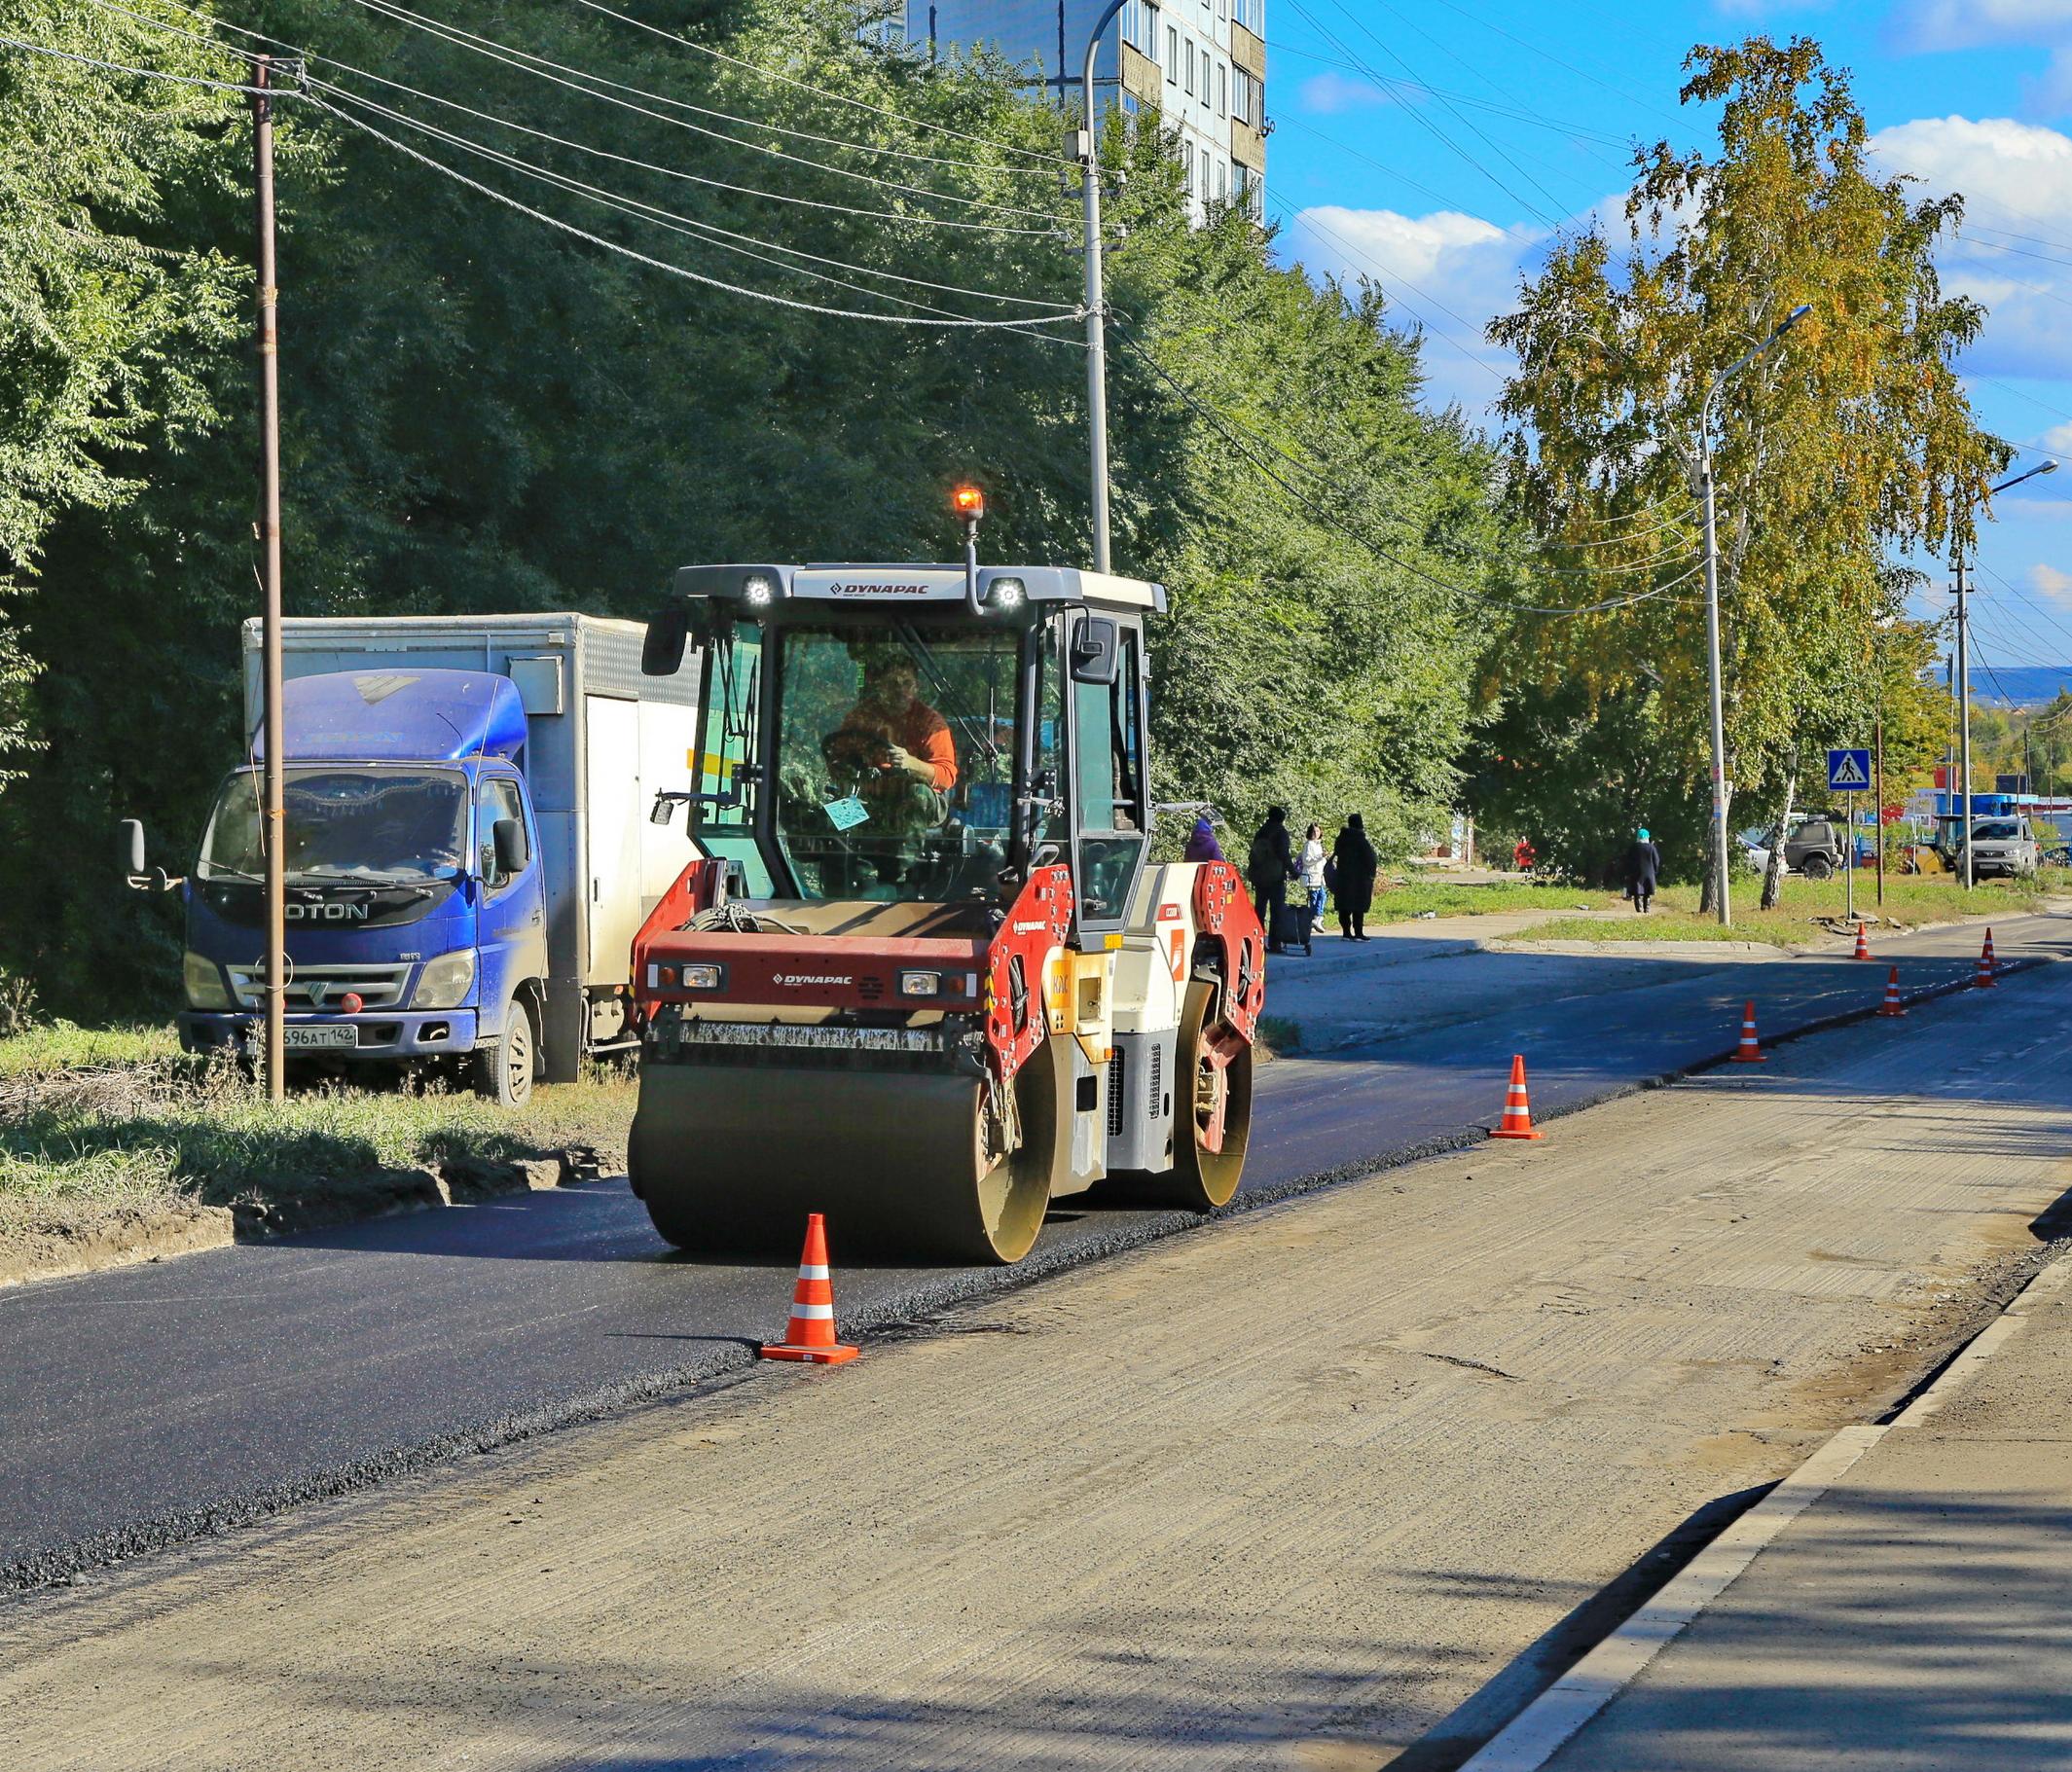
(1354, 867)
(1268, 869)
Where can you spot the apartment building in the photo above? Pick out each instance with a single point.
(1200, 63)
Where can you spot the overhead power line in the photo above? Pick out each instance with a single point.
(1318, 510)
(663, 265)
(805, 85)
(725, 239)
(123, 67)
(593, 86)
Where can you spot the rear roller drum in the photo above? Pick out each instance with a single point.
(732, 1158)
(1213, 1111)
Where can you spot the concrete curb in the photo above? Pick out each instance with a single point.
(1540, 1731)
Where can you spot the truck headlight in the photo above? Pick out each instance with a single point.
(445, 982)
(203, 980)
(921, 984)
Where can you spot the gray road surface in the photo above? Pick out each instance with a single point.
(148, 1404)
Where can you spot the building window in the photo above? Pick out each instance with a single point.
(1223, 180)
(1190, 64)
(1171, 54)
(1222, 92)
(1241, 94)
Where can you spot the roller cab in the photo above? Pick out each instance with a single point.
(926, 978)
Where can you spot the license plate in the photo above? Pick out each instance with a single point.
(328, 1038)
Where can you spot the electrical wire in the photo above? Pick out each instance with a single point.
(916, 123)
(539, 67)
(718, 184)
(160, 24)
(1318, 512)
(663, 265)
(123, 67)
(629, 204)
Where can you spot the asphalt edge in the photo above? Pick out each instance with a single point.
(901, 1312)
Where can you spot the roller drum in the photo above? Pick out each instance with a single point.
(731, 1158)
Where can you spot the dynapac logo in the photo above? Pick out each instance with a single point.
(325, 912)
(863, 589)
(812, 978)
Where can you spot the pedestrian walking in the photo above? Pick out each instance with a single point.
(1354, 866)
(1202, 844)
(1523, 856)
(1315, 857)
(1268, 869)
(1644, 867)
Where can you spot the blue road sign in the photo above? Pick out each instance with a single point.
(1848, 772)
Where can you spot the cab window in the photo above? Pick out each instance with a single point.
(498, 799)
(1107, 774)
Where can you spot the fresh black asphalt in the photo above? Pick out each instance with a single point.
(151, 1404)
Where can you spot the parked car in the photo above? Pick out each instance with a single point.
(2003, 846)
(1814, 847)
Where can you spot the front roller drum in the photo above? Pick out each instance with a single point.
(730, 1159)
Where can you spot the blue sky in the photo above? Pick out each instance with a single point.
(1446, 197)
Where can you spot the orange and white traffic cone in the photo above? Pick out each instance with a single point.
(1863, 946)
(1750, 1051)
(1983, 979)
(1892, 1004)
(1518, 1110)
(811, 1336)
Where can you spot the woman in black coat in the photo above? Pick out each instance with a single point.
(1353, 865)
(1644, 867)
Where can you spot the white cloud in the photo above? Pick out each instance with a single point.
(2050, 580)
(1450, 271)
(1964, 24)
(2017, 182)
(1329, 93)
(2059, 439)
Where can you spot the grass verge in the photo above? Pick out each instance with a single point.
(1807, 911)
(105, 1136)
(1443, 899)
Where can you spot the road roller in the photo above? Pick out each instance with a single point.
(925, 977)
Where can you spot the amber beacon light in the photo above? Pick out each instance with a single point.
(969, 502)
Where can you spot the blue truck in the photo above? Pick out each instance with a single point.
(468, 847)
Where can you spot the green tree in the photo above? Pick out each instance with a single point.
(1853, 442)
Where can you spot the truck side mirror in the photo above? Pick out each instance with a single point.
(662, 650)
(132, 844)
(1096, 649)
(507, 836)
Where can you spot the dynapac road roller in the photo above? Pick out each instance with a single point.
(926, 979)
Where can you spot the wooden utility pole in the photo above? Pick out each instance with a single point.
(275, 827)
(1878, 797)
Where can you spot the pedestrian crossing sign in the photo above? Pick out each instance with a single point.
(1848, 772)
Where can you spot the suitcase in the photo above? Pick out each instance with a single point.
(1291, 926)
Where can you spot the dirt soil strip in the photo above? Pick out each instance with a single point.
(1281, 1492)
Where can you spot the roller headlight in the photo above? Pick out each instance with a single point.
(203, 980)
(758, 589)
(445, 982)
(921, 984)
(1006, 593)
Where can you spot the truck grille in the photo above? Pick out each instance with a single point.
(316, 988)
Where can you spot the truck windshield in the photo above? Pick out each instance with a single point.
(895, 759)
(344, 823)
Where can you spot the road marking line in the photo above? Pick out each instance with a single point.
(1539, 1733)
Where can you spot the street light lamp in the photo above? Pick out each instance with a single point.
(1963, 797)
(1711, 594)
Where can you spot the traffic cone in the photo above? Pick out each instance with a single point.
(1749, 1052)
(811, 1335)
(1517, 1111)
(1983, 979)
(1892, 1004)
(1863, 946)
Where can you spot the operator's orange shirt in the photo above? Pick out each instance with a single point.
(927, 734)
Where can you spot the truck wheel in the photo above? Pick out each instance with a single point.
(503, 1072)
(1817, 867)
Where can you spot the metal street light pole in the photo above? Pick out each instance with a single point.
(276, 825)
(1964, 685)
(1712, 599)
(1096, 329)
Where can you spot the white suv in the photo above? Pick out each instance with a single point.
(2001, 846)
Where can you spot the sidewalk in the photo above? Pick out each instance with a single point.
(1913, 1618)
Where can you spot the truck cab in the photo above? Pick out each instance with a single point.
(416, 905)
